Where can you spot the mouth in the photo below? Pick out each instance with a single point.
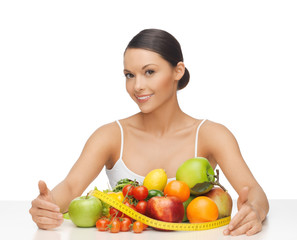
(143, 98)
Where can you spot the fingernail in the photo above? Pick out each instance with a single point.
(230, 227)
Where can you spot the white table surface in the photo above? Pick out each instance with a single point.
(16, 223)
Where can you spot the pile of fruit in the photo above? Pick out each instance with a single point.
(192, 198)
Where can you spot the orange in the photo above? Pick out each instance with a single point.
(202, 209)
(178, 189)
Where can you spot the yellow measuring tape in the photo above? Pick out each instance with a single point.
(156, 223)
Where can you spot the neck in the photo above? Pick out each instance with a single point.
(165, 119)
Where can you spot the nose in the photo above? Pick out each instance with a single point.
(139, 84)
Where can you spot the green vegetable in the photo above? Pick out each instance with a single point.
(154, 193)
(186, 203)
(105, 206)
(122, 183)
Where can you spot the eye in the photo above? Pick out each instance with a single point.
(129, 75)
(149, 72)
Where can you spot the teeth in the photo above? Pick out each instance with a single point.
(141, 98)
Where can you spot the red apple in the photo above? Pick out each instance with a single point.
(223, 201)
(167, 209)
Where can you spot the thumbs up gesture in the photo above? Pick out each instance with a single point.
(45, 213)
(247, 220)
(44, 192)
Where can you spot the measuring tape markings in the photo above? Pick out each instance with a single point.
(157, 223)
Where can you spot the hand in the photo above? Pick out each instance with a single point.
(247, 220)
(45, 213)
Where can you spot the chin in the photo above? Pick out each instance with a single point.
(145, 110)
(148, 107)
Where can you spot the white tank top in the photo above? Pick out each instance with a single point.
(120, 170)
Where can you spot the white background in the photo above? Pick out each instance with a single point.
(61, 78)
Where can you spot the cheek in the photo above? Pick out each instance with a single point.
(166, 84)
(129, 87)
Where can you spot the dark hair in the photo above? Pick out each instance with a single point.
(164, 44)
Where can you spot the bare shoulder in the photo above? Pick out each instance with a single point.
(214, 129)
(107, 133)
(111, 132)
(217, 138)
(111, 127)
(104, 142)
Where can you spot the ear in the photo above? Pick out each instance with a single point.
(179, 71)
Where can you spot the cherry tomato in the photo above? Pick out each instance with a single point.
(114, 225)
(141, 207)
(102, 224)
(137, 227)
(125, 224)
(144, 226)
(127, 188)
(140, 192)
(130, 206)
(114, 212)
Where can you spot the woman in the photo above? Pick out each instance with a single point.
(159, 136)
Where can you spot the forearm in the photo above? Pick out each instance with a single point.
(63, 195)
(257, 198)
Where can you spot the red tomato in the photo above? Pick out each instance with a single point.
(127, 188)
(125, 224)
(144, 226)
(141, 207)
(130, 206)
(102, 224)
(115, 225)
(137, 227)
(114, 212)
(140, 192)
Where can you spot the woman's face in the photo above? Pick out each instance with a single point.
(150, 80)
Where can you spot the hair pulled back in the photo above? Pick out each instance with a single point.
(165, 45)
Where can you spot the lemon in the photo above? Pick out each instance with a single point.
(155, 179)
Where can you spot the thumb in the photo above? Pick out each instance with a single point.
(43, 190)
(243, 196)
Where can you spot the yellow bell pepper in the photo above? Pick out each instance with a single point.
(118, 196)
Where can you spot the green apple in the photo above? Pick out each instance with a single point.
(197, 173)
(85, 211)
(66, 215)
(223, 201)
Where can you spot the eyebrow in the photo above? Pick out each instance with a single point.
(142, 67)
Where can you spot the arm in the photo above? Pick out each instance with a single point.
(96, 152)
(46, 208)
(252, 202)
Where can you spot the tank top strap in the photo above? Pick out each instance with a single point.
(196, 141)
(122, 138)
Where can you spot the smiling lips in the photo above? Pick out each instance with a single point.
(143, 98)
